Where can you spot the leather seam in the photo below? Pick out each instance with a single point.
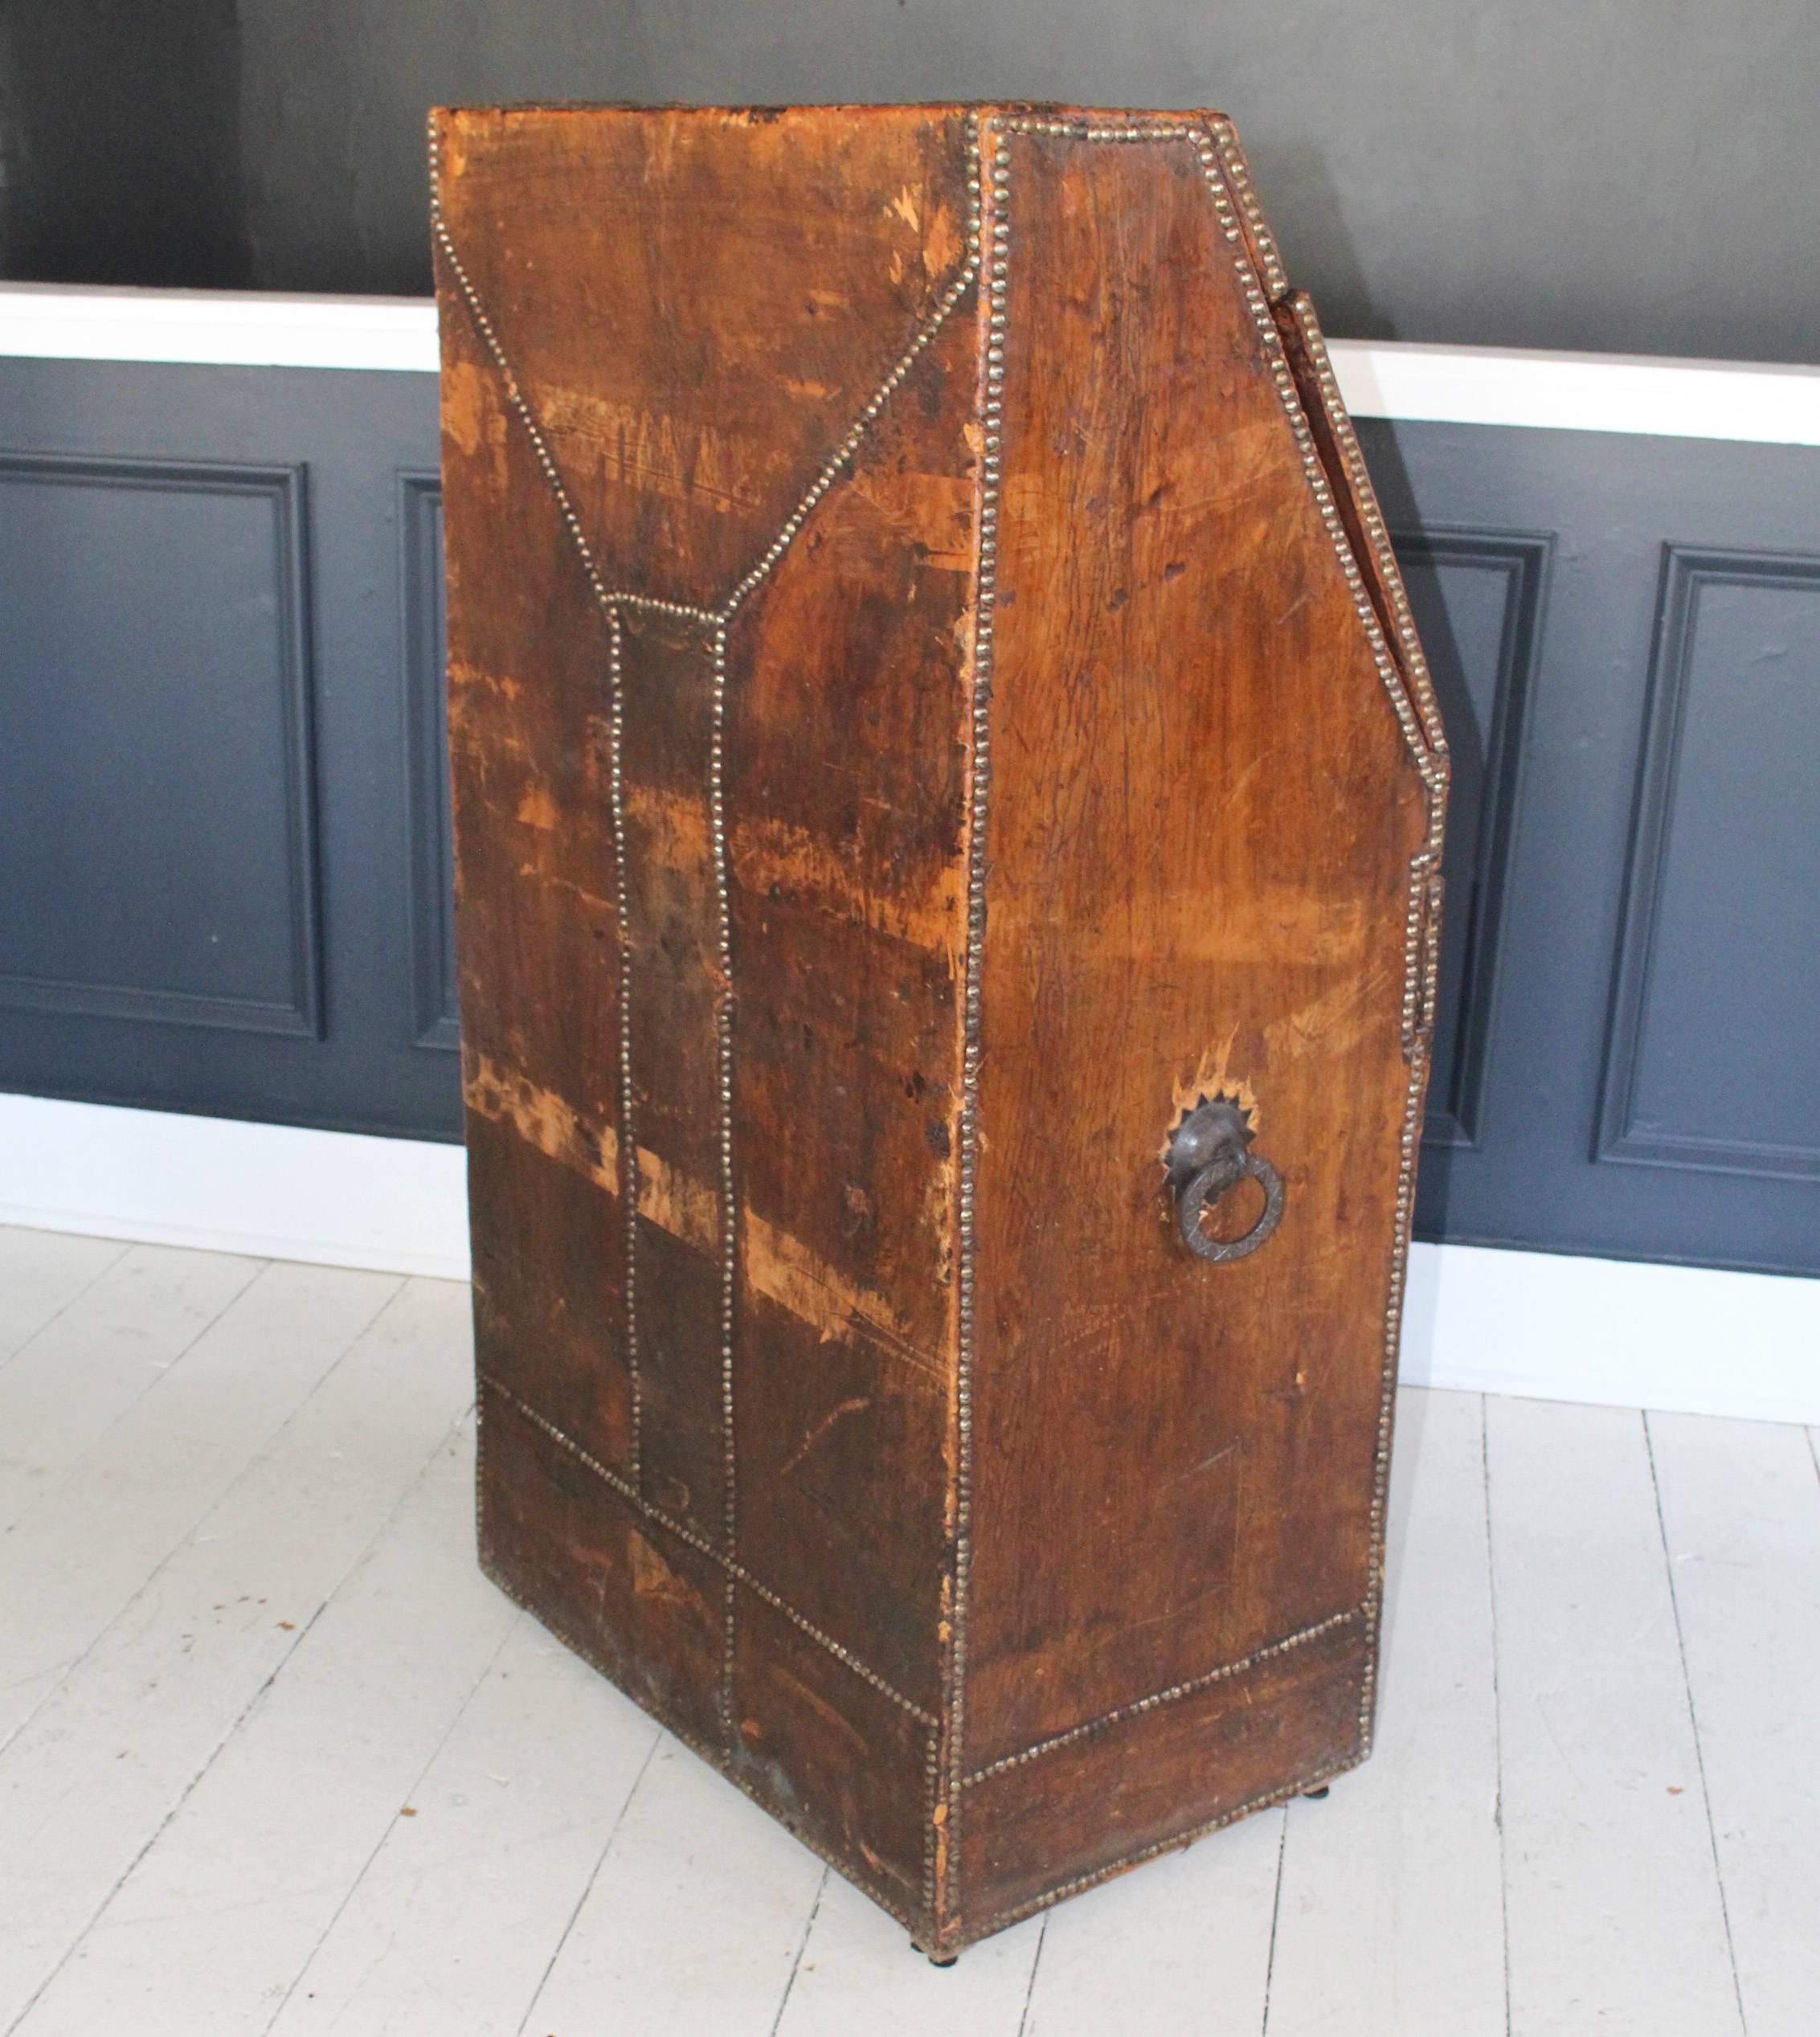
(944, 1815)
(736, 1572)
(1156, 1700)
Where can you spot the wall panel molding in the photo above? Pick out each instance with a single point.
(300, 1013)
(434, 1019)
(1475, 908)
(1627, 1133)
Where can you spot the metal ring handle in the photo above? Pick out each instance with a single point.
(1209, 1153)
(1212, 1182)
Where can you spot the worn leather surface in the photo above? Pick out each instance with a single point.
(929, 701)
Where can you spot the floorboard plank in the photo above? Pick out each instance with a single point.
(449, 1931)
(1612, 1901)
(1390, 1920)
(118, 1338)
(109, 1757)
(694, 1923)
(41, 1273)
(1740, 1507)
(859, 1972)
(214, 1923)
(99, 1527)
(1182, 1943)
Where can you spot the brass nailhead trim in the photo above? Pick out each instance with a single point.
(941, 1831)
(1225, 1674)
(979, 774)
(1420, 943)
(703, 1546)
(729, 1209)
(1238, 181)
(628, 1135)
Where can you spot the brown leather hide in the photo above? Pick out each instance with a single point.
(930, 702)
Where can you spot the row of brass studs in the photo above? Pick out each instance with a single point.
(723, 1084)
(979, 765)
(704, 1546)
(629, 1133)
(1187, 1688)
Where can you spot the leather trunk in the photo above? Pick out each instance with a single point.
(947, 807)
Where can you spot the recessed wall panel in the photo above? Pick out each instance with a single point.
(1712, 1063)
(155, 798)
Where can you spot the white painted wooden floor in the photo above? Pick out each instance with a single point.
(274, 1757)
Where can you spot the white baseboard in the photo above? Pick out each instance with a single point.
(335, 1198)
(1618, 1333)
(1763, 402)
(1689, 1339)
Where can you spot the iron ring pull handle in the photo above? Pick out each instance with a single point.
(1209, 1152)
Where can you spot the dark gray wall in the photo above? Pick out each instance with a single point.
(120, 142)
(1628, 175)
(1626, 638)
(223, 815)
(1631, 175)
